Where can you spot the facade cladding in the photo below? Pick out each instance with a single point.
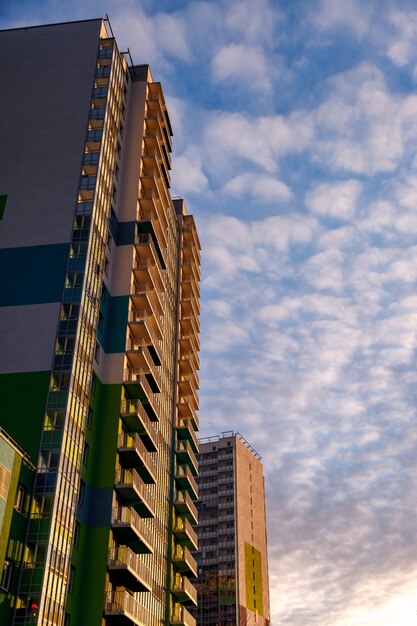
(99, 310)
(233, 586)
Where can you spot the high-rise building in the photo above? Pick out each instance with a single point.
(233, 586)
(99, 308)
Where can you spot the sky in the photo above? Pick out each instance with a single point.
(295, 135)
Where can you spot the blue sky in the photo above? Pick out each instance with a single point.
(295, 133)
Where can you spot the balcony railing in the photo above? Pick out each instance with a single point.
(186, 507)
(148, 322)
(137, 420)
(153, 297)
(123, 604)
(144, 264)
(139, 355)
(129, 569)
(186, 480)
(186, 409)
(186, 430)
(136, 376)
(184, 560)
(185, 455)
(180, 616)
(135, 492)
(131, 528)
(183, 589)
(133, 450)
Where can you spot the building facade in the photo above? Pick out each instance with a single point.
(99, 323)
(233, 586)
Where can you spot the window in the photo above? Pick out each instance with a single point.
(3, 200)
(76, 537)
(93, 383)
(89, 417)
(103, 293)
(6, 577)
(86, 452)
(71, 579)
(97, 352)
(19, 504)
(81, 492)
(4, 481)
(100, 322)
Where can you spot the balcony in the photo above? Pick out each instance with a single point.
(190, 291)
(187, 388)
(185, 430)
(191, 252)
(140, 358)
(121, 608)
(191, 268)
(184, 561)
(185, 534)
(185, 480)
(185, 456)
(181, 617)
(190, 306)
(188, 368)
(186, 409)
(132, 453)
(183, 590)
(144, 242)
(138, 388)
(192, 338)
(134, 492)
(153, 141)
(189, 324)
(188, 351)
(136, 419)
(186, 507)
(130, 530)
(147, 271)
(148, 299)
(128, 570)
(146, 327)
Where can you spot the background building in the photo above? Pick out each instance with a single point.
(233, 586)
(99, 306)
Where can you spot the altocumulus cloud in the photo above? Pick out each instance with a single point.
(295, 133)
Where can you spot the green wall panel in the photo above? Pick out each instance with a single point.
(22, 408)
(102, 437)
(13, 463)
(85, 602)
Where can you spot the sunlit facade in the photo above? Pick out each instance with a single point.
(233, 585)
(99, 322)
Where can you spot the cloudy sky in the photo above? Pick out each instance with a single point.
(295, 135)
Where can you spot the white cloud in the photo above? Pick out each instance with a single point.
(336, 199)
(342, 14)
(243, 64)
(402, 47)
(188, 176)
(363, 128)
(264, 188)
(261, 141)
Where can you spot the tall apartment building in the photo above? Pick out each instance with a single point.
(99, 310)
(233, 586)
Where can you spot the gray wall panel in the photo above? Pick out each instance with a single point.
(27, 337)
(49, 74)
